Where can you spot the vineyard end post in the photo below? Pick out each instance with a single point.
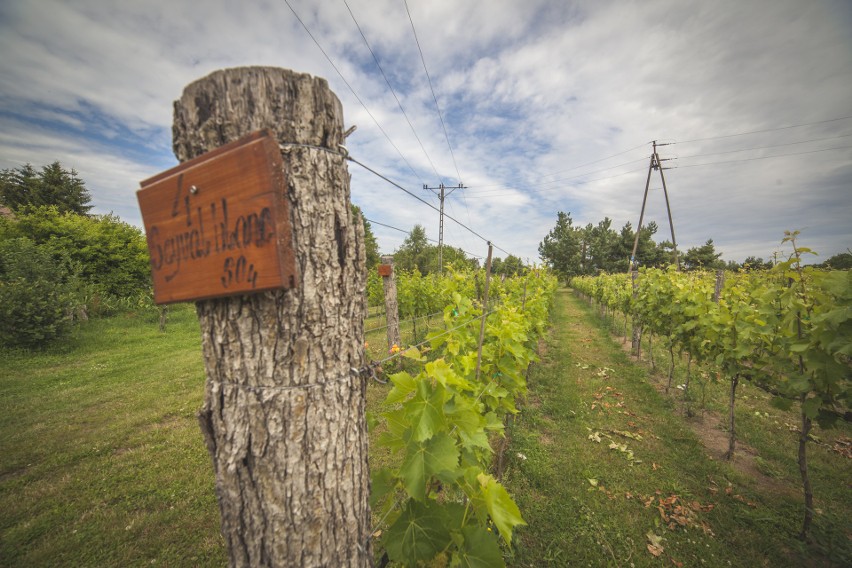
(391, 303)
(284, 413)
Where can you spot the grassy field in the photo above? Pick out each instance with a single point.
(104, 464)
(609, 472)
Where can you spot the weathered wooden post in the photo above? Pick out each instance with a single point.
(391, 306)
(636, 344)
(283, 413)
(720, 283)
(484, 311)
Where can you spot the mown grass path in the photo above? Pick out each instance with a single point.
(607, 472)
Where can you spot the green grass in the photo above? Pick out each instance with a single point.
(590, 505)
(104, 463)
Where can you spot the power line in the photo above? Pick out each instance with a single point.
(765, 130)
(575, 176)
(352, 90)
(481, 195)
(598, 161)
(399, 104)
(418, 198)
(766, 147)
(409, 232)
(574, 167)
(395, 228)
(763, 157)
(431, 88)
(542, 191)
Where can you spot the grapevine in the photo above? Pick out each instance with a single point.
(787, 330)
(442, 504)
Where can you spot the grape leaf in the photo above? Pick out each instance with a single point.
(418, 535)
(427, 458)
(503, 511)
(479, 550)
(403, 385)
(425, 411)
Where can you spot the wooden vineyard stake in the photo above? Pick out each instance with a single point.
(284, 404)
(720, 283)
(637, 332)
(484, 311)
(391, 305)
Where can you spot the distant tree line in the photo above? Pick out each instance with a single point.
(417, 253)
(573, 250)
(25, 187)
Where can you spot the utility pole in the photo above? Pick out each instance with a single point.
(441, 196)
(655, 164)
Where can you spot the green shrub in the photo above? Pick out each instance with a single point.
(35, 294)
(107, 253)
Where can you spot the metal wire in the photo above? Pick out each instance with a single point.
(395, 355)
(403, 321)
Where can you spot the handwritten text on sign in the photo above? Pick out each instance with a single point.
(218, 225)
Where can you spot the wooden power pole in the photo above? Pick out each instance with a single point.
(441, 196)
(284, 413)
(654, 165)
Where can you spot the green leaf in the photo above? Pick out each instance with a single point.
(810, 407)
(425, 459)
(479, 549)
(425, 411)
(397, 423)
(469, 423)
(493, 422)
(403, 385)
(503, 511)
(382, 483)
(445, 375)
(827, 420)
(418, 535)
(414, 354)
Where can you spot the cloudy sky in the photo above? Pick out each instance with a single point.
(547, 106)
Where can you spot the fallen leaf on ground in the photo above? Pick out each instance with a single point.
(654, 544)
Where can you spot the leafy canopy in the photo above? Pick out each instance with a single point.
(53, 185)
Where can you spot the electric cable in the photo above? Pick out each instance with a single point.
(571, 177)
(409, 232)
(760, 158)
(574, 167)
(393, 92)
(766, 147)
(550, 190)
(765, 130)
(352, 90)
(431, 88)
(418, 198)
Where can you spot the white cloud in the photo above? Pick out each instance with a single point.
(527, 89)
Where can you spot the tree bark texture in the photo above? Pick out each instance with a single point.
(283, 413)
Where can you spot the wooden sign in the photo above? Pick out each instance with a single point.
(385, 270)
(218, 225)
